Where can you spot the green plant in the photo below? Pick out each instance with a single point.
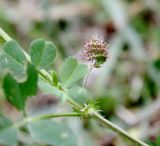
(21, 73)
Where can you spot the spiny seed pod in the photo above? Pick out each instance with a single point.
(95, 51)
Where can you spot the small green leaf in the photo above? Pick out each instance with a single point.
(8, 134)
(48, 89)
(158, 140)
(29, 87)
(2, 41)
(17, 93)
(71, 72)
(52, 133)
(79, 94)
(12, 59)
(54, 78)
(42, 53)
(12, 91)
(13, 49)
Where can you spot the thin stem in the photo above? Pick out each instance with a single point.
(49, 116)
(44, 117)
(86, 77)
(74, 104)
(4, 35)
(117, 130)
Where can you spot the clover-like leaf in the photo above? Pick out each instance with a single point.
(13, 59)
(71, 72)
(8, 133)
(79, 94)
(52, 133)
(17, 93)
(48, 89)
(42, 53)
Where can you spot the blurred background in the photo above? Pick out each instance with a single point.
(127, 86)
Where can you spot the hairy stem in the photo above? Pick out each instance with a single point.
(117, 130)
(76, 106)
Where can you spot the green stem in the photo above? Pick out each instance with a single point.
(49, 116)
(117, 130)
(44, 117)
(86, 77)
(76, 106)
(4, 35)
